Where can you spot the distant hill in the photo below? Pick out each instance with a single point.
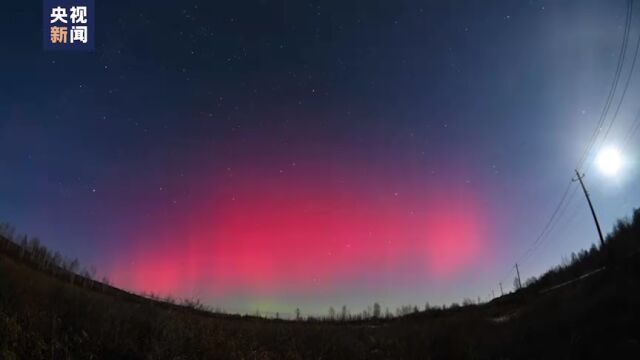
(588, 307)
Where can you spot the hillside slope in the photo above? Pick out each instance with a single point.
(46, 317)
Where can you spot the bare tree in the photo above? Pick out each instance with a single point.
(73, 267)
(376, 310)
(404, 310)
(7, 231)
(530, 281)
(332, 313)
(24, 242)
(343, 313)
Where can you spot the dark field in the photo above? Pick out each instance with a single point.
(45, 316)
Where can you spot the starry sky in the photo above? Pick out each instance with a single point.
(280, 154)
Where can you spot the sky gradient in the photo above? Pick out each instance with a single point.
(279, 154)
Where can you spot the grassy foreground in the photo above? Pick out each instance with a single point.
(48, 315)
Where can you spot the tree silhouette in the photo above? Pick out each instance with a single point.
(376, 310)
(332, 313)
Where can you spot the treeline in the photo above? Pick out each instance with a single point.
(375, 312)
(621, 243)
(30, 251)
(372, 312)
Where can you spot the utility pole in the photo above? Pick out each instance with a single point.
(501, 293)
(518, 272)
(586, 194)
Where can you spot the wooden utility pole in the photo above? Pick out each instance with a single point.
(518, 272)
(595, 218)
(501, 293)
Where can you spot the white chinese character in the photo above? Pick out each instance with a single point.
(79, 33)
(58, 14)
(79, 15)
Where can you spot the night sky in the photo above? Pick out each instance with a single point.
(280, 154)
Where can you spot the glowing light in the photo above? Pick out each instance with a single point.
(609, 161)
(298, 234)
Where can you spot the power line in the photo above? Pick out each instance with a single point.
(563, 203)
(622, 97)
(545, 229)
(552, 226)
(612, 90)
(549, 223)
(632, 131)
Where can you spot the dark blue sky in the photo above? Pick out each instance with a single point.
(489, 104)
